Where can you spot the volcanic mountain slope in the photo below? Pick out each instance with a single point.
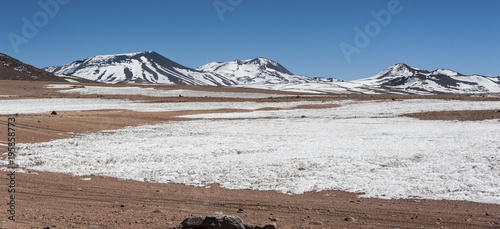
(258, 71)
(406, 79)
(13, 69)
(149, 67)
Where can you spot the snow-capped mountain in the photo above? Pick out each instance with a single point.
(257, 71)
(260, 72)
(148, 67)
(403, 78)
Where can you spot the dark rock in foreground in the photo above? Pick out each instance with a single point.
(218, 220)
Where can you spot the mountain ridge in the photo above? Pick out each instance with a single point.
(148, 66)
(152, 67)
(259, 70)
(403, 78)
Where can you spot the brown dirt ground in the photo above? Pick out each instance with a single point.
(478, 115)
(65, 201)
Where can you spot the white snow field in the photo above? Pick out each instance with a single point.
(358, 147)
(362, 109)
(348, 87)
(26, 106)
(108, 90)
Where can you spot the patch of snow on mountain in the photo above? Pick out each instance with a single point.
(445, 72)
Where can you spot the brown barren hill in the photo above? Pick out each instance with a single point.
(13, 69)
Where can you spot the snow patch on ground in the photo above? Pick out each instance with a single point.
(23, 106)
(358, 147)
(363, 109)
(60, 86)
(165, 93)
(386, 157)
(316, 88)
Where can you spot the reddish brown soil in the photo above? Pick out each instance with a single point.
(64, 201)
(457, 115)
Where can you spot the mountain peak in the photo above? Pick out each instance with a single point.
(146, 53)
(262, 60)
(398, 70)
(403, 78)
(265, 64)
(100, 57)
(138, 53)
(259, 70)
(402, 67)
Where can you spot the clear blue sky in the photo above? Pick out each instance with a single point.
(304, 36)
